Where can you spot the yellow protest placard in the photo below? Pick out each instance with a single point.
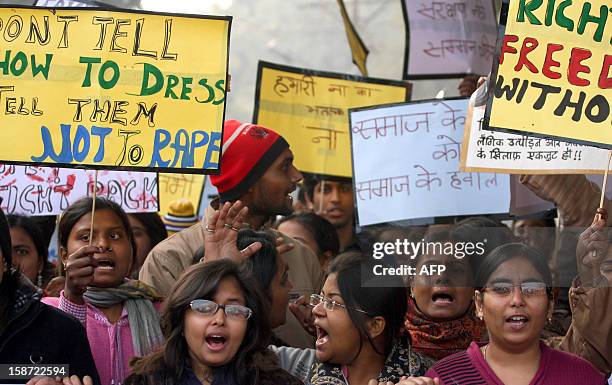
(122, 90)
(553, 76)
(176, 186)
(310, 109)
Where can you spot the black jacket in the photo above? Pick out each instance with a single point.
(40, 334)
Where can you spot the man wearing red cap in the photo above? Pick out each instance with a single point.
(257, 169)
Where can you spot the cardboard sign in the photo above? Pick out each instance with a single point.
(449, 38)
(176, 186)
(492, 151)
(32, 191)
(554, 66)
(310, 110)
(103, 89)
(406, 164)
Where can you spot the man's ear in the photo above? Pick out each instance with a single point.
(376, 326)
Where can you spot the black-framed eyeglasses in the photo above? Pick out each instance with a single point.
(528, 289)
(210, 308)
(329, 304)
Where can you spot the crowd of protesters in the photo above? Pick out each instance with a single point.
(259, 293)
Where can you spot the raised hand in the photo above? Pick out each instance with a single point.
(80, 267)
(282, 246)
(303, 312)
(419, 381)
(73, 380)
(221, 233)
(592, 248)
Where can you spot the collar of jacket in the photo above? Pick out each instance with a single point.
(24, 296)
(402, 361)
(25, 301)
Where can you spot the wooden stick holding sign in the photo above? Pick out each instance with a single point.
(93, 207)
(601, 212)
(321, 192)
(605, 181)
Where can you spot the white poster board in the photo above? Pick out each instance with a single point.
(449, 38)
(32, 190)
(406, 164)
(494, 151)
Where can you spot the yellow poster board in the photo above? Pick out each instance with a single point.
(310, 110)
(176, 186)
(112, 89)
(554, 71)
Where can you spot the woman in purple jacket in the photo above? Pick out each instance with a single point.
(515, 300)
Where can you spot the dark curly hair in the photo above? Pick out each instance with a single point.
(201, 281)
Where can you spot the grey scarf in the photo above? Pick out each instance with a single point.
(142, 316)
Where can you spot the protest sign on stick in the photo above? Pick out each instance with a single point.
(34, 190)
(176, 186)
(112, 89)
(406, 164)
(310, 109)
(552, 74)
(448, 38)
(493, 151)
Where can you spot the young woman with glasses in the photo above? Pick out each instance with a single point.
(216, 327)
(515, 300)
(358, 324)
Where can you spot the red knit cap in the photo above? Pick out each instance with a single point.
(248, 150)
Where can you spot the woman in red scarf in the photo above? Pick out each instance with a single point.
(441, 316)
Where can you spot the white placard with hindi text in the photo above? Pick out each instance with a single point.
(33, 190)
(450, 37)
(406, 164)
(495, 151)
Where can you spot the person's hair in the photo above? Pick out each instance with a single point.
(353, 271)
(46, 224)
(309, 184)
(82, 207)
(511, 251)
(301, 195)
(32, 229)
(323, 232)
(312, 180)
(261, 264)
(9, 275)
(432, 235)
(201, 281)
(154, 226)
(488, 232)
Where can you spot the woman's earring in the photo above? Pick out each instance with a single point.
(39, 279)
